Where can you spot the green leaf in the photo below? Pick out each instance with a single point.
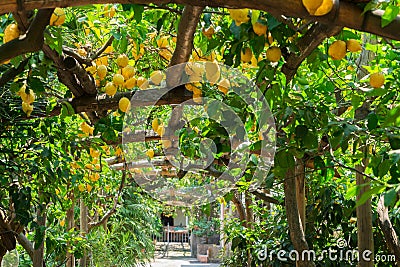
(311, 140)
(368, 194)
(36, 84)
(284, 159)
(390, 14)
(138, 12)
(372, 121)
(301, 131)
(390, 197)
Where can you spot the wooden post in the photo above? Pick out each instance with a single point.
(300, 191)
(84, 229)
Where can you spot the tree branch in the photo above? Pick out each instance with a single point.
(266, 198)
(349, 14)
(386, 226)
(307, 44)
(32, 41)
(26, 244)
(184, 43)
(12, 73)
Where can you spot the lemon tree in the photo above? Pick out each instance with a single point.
(65, 185)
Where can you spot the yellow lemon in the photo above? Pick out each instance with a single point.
(122, 61)
(89, 188)
(150, 153)
(156, 77)
(246, 55)
(142, 83)
(160, 130)
(110, 89)
(155, 123)
(312, 5)
(86, 128)
(197, 98)
(128, 72)
(130, 83)
(62, 223)
(81, 187)
(224, 85)
(260, 29)
(118, 79)
(109, 12)
(10, 33)
(353, 45)
(91, 69)
(166, 54)
(273, 53)
(102, 71)
(94, 153)
(162, 42)
(239, 15)
(27, 108)
(58, 17)
(376, 80)
(325, 8)
(337, 50)
(124, 104)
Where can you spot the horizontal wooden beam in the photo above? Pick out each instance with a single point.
(348, 14)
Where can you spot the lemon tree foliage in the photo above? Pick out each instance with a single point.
(54, 166)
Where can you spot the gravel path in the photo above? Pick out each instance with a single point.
(180, 262)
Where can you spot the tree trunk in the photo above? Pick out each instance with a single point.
(300, 191)
(389, 233)
(38, 253)
(364, 217)
(71, 224)
(84, 230)
(295, 226)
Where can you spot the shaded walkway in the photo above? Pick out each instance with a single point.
(180, 262)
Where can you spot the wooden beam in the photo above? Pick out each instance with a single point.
(348, 14)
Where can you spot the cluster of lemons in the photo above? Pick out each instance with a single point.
(338, 49)
(27, 99)
(273, 53)
(91, 170)
(212, 72)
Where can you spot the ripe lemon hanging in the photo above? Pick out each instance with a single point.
(353, 45)
(109, 12)
(260, 29)
(102, 71)
(142, 83)
(128, 72)
(124, 104)
(110, 89)
(239, 15)
(118, 79)
(337, 50)
(224, 85)
(122, 61)
(27, 108)
(130, 83)
(162, 42)
(150, 153)
(318, 7)
(58, 17)
(156, 77)
(273, 54)
(246, 55)
(212, 71)
(154, 124)
(376, 80)
(10, 33)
